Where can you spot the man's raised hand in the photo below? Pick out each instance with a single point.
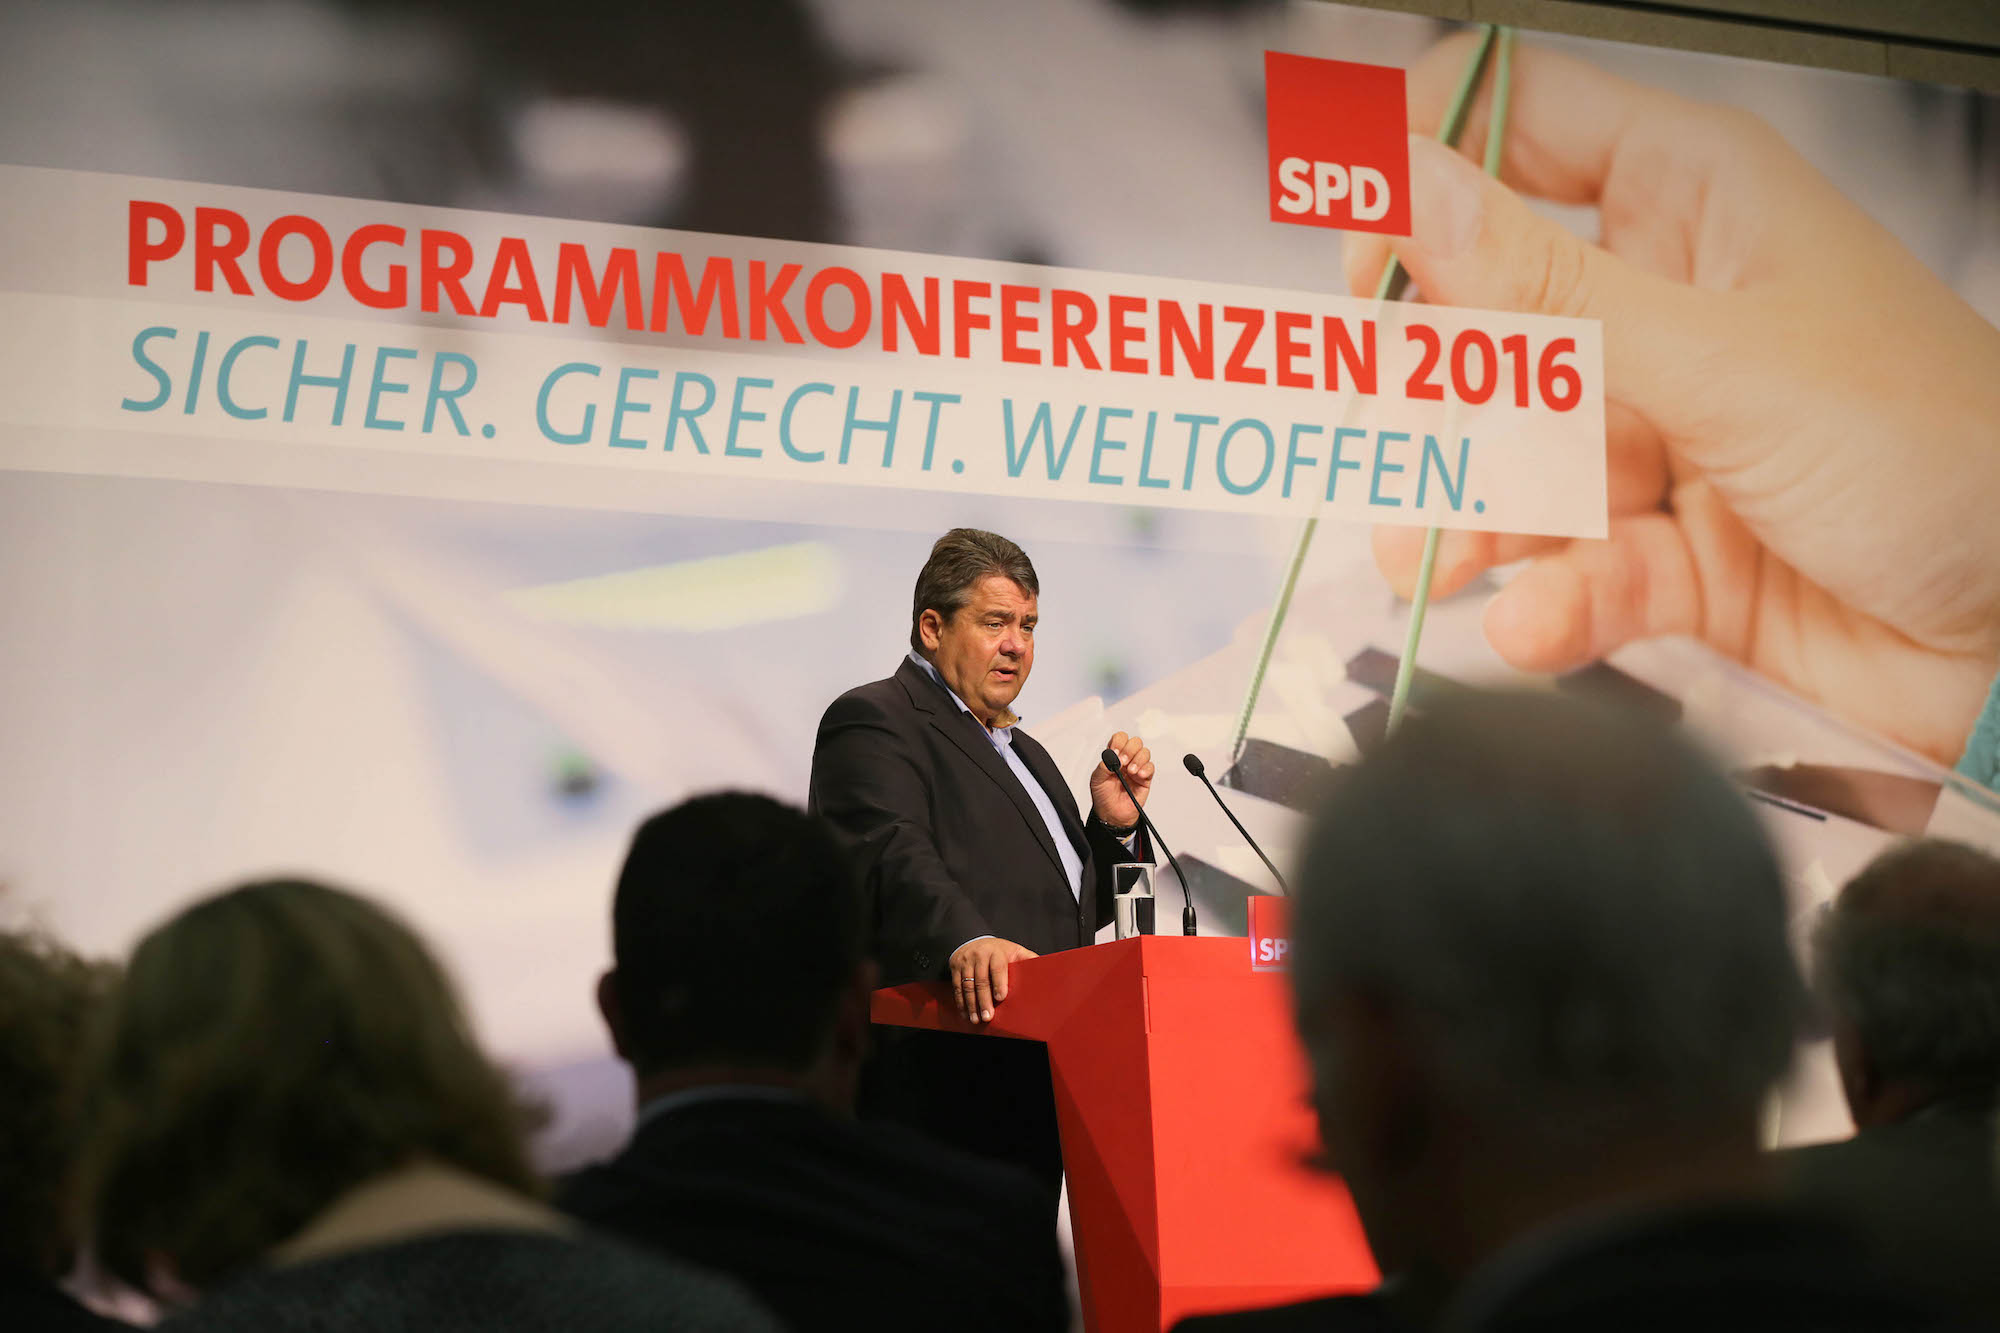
(1107, 798)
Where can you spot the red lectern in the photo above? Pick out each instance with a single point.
(1181, 1096)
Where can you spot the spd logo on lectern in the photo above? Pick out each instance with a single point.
(1270, 933)
(1338, 144)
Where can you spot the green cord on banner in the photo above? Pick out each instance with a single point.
(1503, 92)
(1391, 288)
(1406, 664)
(1496, 134)
(1271, 629)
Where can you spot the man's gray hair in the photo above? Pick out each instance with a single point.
(1909, 953)
(1575, 912)
(958, 560)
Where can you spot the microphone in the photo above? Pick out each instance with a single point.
(1110, 758)
(1194, 766)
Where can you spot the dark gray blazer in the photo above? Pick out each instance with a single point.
(949, 844)
(835, 1224)
(1923, 1194)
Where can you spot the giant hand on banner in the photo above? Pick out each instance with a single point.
(1799, 414)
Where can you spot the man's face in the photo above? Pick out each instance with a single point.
(985, 651)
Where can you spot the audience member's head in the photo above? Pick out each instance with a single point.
(1907, 967)
(47, 997)
(270, 1049)
(737, 944)
(1541, 969)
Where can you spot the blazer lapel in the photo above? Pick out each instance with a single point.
(963, 730)
(1044, 768)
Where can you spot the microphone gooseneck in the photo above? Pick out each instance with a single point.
(1111, 761)
(1194, 765)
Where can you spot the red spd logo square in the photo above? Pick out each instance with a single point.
(1339, 144)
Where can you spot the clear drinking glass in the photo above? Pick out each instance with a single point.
(1132, 901)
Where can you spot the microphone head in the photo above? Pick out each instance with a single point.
(1110, 758)
(1192, 763)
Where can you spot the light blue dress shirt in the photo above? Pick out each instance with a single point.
(1003, 741)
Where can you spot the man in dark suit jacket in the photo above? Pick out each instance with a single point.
(740, 997)
(1907, 966)
(971, 845)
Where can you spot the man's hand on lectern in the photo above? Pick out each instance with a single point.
(1107, 798)
(979, 975)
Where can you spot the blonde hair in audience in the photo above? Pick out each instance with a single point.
(269, 1049)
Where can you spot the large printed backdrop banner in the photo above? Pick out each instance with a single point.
(492, 338)
(428, 444)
